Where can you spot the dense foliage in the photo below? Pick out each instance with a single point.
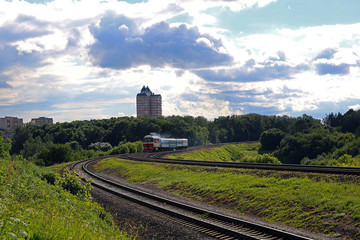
(322, 145)
(4, 148)
(349, 122)
(290, 139)
(270, 139)
(35, 205)
(48, 143)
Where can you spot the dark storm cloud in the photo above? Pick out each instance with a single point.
(120, 44)
(326, 54)
(10, 56)
(329, 68)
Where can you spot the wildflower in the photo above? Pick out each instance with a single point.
(12, 235)
(23, 234)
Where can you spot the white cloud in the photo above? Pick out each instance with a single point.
(60, 35)
(207, 107)
(355, 107)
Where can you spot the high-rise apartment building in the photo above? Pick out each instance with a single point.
(10, 123)
(148, 103)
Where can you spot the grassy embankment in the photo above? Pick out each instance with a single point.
(323, 204)
(243, 152)
(31, 208)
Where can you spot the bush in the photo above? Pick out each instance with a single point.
(127, 148)
(57, 153)
(310, 144)
(72, 183)
(75, 145)
(49, 177)
(102, 146)
(139, 146)
(265, 158)
(326, 160)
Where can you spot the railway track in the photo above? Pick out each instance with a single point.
(159, 158)
(211, 223)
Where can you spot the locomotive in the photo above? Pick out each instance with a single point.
(155, 143)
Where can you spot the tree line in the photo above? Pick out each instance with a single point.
(86, 138)
(335, 142)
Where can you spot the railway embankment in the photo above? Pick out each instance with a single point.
(324, 204)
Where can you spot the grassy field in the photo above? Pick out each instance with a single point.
(30, 208)
(323, 204)
(243, 152)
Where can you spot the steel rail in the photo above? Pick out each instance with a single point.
(151, 157)
(208, 222)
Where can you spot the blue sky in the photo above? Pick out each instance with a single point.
(76, 60)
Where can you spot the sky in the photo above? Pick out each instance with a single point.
(86, 59)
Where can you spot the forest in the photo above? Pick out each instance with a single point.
(331, 141)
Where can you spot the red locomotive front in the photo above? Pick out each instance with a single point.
(151, 143)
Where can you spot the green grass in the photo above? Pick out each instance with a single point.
(30, 208)
(58, 167)
(226, 153)
(309, 201)
(243, 152)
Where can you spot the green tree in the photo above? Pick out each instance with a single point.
(270, 139)
(4, 148)
(57, 153)
(21, 135)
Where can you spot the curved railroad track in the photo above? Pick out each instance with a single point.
(160, 158)
(211, 223)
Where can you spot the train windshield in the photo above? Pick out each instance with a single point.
(148, 140)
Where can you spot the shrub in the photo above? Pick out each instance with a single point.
(265, 158)
(139, 146)
(57, 153)
(75, 145)
(72, 183)
(127, 148)
(49, 177)
(103, 146)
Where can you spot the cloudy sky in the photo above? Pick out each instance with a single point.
(87, 59)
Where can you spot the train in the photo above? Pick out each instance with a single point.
(155, 143)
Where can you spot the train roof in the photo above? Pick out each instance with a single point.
(174, 139)
(151, 136)
(157, 137)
